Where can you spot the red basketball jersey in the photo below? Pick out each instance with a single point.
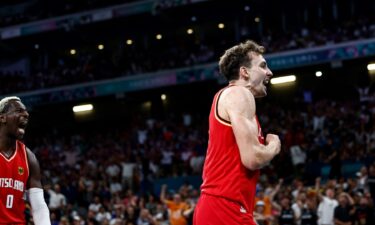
(223, 173)
(14, 173)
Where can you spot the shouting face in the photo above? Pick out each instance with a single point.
(14, 119)
(259, 75)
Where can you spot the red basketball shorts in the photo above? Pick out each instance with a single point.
(213, 210)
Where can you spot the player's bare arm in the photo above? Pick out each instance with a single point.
(34, 177)
(39, 207)
(237, 105)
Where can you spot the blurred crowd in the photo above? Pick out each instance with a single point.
(309, 37)
(41, 9)
(122, 60)
(109, 176)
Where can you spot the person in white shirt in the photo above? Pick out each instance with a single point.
(56, 200)
(298, 155)
(102, 215)
(299, 205)
(95, 206)
(326, 206)
(113, 170)
(127, 171)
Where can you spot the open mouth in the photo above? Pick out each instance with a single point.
(22, 128)
(23, 124)
(266, 81)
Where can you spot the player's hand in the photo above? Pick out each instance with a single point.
(272, 138)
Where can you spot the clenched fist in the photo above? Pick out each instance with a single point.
(273, 139)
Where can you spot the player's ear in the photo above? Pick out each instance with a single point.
(2, 118)
(244, 72)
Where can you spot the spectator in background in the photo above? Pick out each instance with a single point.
(308, 215)
(196, 162)
(371, 182)
(77, 220)
(102, 215)
(151, 203)
(176, 208)
(343, 214)
(299, 205)
(266, 200)
(113, 169)
(260, 215)
(362, 180)
(161, 216)
(334, 159)
(127, 171)
(298, 158)
(118, 214)
(326, 206)
(95, 206)
(287, 215)
(57, 201)
(364, 212)
(131, 214)
(145, 218)
(166, 161)
(64, 221)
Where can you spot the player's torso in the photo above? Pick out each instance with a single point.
(223, 174)
(14, 173)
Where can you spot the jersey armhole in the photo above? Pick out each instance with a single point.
(217, 116)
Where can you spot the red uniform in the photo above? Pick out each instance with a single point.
(14, 173)
(228, 188)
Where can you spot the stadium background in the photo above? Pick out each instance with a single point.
(108, 53)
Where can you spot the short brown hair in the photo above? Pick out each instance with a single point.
(237, 56)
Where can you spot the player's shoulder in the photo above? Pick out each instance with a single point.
(29, 152)
(30, 156)
(237, 96)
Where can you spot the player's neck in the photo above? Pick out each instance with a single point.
(237, 83)
(7, 145)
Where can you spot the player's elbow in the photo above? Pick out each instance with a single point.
(250, 164)
(250, 159)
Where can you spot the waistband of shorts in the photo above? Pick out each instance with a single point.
(221, 197)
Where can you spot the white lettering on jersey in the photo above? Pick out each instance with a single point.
(10, 183)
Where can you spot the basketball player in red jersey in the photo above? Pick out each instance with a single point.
(236, 149)
(19, 168)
